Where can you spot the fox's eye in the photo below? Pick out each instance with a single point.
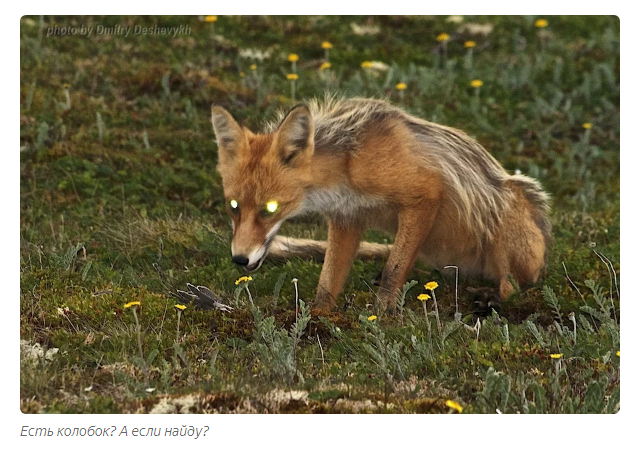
(271, 207)
(234, 205)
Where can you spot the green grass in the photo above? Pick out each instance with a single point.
(122, 175)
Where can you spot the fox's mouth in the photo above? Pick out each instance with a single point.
(255, 266)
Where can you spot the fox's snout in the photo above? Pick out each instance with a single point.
(241, 260)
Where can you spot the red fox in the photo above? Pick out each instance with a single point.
(364, 163)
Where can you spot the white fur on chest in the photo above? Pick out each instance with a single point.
(339, 201)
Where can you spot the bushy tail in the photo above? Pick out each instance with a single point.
(288, 247)
(539, 200)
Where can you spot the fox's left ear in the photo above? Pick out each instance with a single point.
(295, 136)
(229, 134)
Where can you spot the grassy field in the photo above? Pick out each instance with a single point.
(117, 173)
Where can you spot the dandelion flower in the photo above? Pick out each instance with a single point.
(325, 65)
(180, 307)
(401, 86)
(243, 279)
(211, 19)
(423, 297)
(132, 303)
(443, 37)
(366, 64)
(454, 405)
(587, 125)
(66, 86)
(470, 44)
(431, 286)
(293, 57)
(477, 83)
(372, 318)
(326, 45)
(617, 353)
(292, 77)
(253, 67)
(541, 23)
(556, 356)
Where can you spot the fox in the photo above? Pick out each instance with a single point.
(364, 163)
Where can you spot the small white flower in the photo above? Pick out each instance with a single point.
(364, 30)
(518, 171)
(150, 389)
(88, 389)
(63, 311)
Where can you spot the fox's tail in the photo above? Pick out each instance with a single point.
(288, 247)
(539, 200)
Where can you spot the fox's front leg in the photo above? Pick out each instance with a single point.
(343, 242)
(414, 225)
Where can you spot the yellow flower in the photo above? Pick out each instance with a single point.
(541, 23)
(132, 303)
(556, 356)
(326, 45)
(66, 86)
(180, 307)
(587, 125)
(326, 65)
(617, 353)
(477, 83)
(253, 67)
(366, 64)
(423, 297)
(242, 74)
(431, 286)
(401, 86)
(454, 405)
(211, 19)
(443, 37)
(372, 318)
(292, 77)
(243, 279)
(293, 57)
(470, 44)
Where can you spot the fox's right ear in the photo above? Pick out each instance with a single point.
(229, 133)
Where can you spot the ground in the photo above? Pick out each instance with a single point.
(117, 173)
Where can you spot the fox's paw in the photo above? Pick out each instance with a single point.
(485, 299)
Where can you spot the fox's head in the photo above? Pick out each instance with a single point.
(265, 177)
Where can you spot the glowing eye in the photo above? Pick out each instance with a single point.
(234, 204)
(272, 206)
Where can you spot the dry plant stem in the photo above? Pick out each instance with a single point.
(456, 287)
(612, 278)
(249, 295)
(178, 325)
(573, 283)
(296, 299)
(321, 348)
(140, 348)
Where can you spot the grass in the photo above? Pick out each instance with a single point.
(117, 172)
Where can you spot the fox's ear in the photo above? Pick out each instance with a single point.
(229, 133)
(295, 136)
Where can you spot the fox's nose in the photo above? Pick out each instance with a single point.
(240, 260)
